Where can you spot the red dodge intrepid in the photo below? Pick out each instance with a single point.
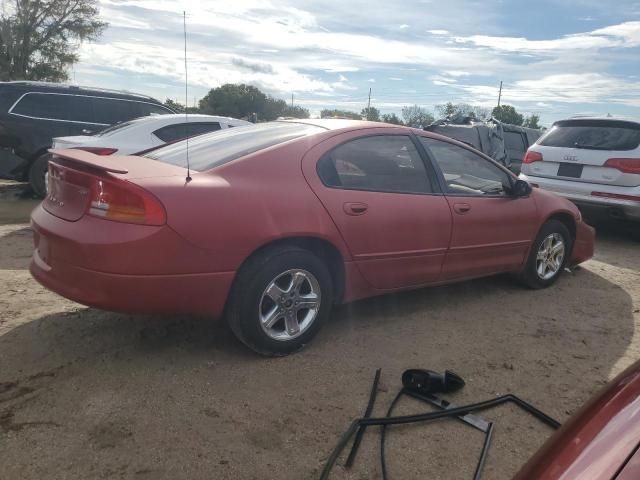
(277, 222)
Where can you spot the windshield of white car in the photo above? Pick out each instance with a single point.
(213, 149)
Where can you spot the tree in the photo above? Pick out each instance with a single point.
(295, 111)
(335, 113)
(234, 100)
(532, 121)
(452, 110)
(391, 118)
(39, 39)
(173, 105)
(507, 114)
(415, 116)
(372, 114)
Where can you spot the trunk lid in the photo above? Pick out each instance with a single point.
(73, 172)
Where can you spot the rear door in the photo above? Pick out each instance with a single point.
(515, 146)
(579, 149)
(492, 231)
(384, 200)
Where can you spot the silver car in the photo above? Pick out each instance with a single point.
(594, 162)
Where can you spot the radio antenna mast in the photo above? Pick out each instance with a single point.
(186, 93)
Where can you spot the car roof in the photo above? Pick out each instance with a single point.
(70, 88)
(340, 123)
(600, 119)
(181, 117)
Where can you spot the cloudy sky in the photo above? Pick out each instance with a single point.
(555, 57)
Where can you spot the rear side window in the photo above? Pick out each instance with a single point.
(593, 135)
(171, 133)
(513, 141)
(110, 111)
(55, 107)
(145, 109)
(382, 163)
(214, 149)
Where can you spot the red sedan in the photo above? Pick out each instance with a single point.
(275, 223)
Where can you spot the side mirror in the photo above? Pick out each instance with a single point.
(520, 188)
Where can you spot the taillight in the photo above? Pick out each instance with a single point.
(103, 151)
(531, 157)
(122, 201)
(625, 165)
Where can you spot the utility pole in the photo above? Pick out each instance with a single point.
(292, 100)
(500, 93)
(369, 103)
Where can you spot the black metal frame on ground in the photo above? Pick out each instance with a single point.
(463, 413)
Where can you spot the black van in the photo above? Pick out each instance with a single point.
(32, 113)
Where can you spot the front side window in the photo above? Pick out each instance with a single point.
(382, 163)
(466, 173)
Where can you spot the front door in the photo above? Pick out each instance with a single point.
(384, 199)
(492, 231)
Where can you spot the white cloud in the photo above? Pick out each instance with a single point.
(438, 32)
(404, 26)
(395, 79)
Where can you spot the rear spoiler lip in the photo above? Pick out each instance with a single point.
(104, 163)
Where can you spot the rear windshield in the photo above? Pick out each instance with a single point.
(213, 149)
(593, 135)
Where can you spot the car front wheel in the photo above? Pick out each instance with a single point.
(549, 255)
(280, 300)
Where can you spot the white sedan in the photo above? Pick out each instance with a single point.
(147, 133)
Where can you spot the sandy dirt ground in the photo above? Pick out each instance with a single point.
(86, 394)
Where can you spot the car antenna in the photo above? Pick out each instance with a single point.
(186, 92)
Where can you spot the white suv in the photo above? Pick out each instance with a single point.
(594, 162)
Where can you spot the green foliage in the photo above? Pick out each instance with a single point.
(39, 39)
(451, 110)
(335, 113)
(173, 105)
(415, 116)
(507, 114)
(532, 121)
(372, 114)
(391, 118)
(247, 101)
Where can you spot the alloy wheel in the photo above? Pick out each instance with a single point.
(289, 304)
(550, 256)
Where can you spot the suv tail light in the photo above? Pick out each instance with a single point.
(625, 165)
(532, 156)
(103, 151)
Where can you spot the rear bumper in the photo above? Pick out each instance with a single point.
(580, 194)
(70, 259)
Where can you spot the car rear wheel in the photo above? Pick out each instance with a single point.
(280, 300)
(549, 255)
(38, 175)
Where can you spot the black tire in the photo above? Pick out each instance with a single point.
(530, 275)
(242, 312)
(37, 175)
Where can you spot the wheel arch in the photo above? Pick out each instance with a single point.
(321, 247)
(567, 219)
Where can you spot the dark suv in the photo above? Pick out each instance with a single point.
(32, 113)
